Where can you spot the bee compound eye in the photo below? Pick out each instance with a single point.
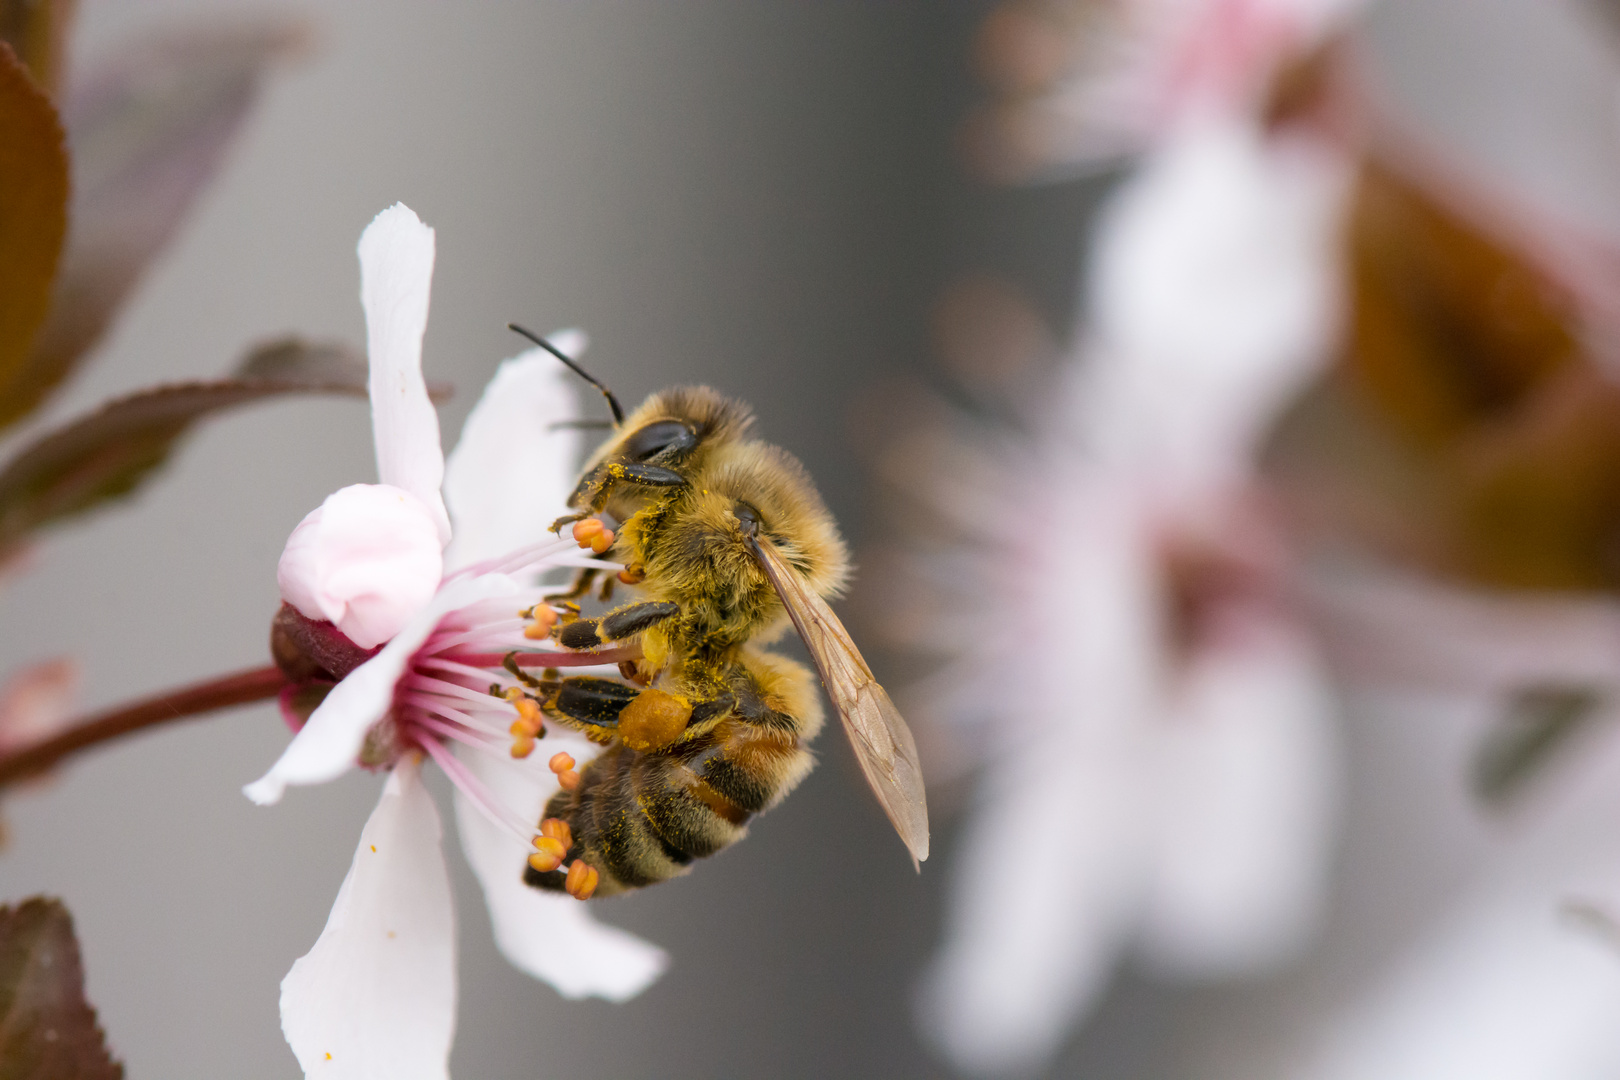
(657, 438)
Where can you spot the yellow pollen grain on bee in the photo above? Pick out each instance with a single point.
(582, 880)
(329, 1055)
(560, 762)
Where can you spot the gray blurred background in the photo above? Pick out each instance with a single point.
(759, 196)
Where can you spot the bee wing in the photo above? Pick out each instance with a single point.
(882, 742)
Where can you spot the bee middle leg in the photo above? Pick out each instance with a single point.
(626, 622)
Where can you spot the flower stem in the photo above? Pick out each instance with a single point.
(258, 684)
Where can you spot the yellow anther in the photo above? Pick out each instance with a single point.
(544, 619)
(560, 762)
(529, 713)
(558, 829)
(602, 541)
(548, 854)
(512, 693)
(633, 575)
(586, 530)
(522, 746)
(582, 880)
(568, 780)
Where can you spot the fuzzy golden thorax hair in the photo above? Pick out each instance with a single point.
(691, 545)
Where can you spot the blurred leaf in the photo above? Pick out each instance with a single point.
(108, 453)
(147, 136)
(33, 212)
(1450, 326)
(1471, 427)
(1539, 723)
(47, 1029)
(37, 31)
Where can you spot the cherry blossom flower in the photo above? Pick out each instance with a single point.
(1080, 83)
(1160, 765)
(424, 627)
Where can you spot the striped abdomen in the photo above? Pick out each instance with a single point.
(641, 818)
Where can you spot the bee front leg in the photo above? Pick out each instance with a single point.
(596, 486)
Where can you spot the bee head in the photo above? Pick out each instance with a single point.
(672, 426)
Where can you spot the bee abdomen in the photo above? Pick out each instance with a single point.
(641, 818)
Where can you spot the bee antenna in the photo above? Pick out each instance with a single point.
(613, 402)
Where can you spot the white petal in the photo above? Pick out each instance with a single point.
(1046, 880)
(1247, 783)
(1049, 875)
(1503, 989)
(1214, 295)
(366, 559)
(1391, 628)
(550, 936)
(510, 475)
(325, 748)
(396, 276)
(375, 999)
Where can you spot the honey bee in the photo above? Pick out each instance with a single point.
(729, 543)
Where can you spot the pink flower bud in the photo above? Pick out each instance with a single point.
(366, 560)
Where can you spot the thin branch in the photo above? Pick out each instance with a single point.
(258, 684)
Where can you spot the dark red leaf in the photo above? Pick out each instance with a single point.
(33, 214)
(47, 1029)
(108, 453)
(147, 136)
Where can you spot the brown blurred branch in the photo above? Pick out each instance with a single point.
(241, 688)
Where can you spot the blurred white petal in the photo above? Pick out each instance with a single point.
(325, 748)
(1048, 876)
(510, 475)
(1045, 882)
(375, 999)
(1395, 628)
(1247, 783)
(396, 277)
(1214, 296)
(551, 936)
(366, 560)
(1502, 989)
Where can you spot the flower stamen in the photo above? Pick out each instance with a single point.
(582, 880)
